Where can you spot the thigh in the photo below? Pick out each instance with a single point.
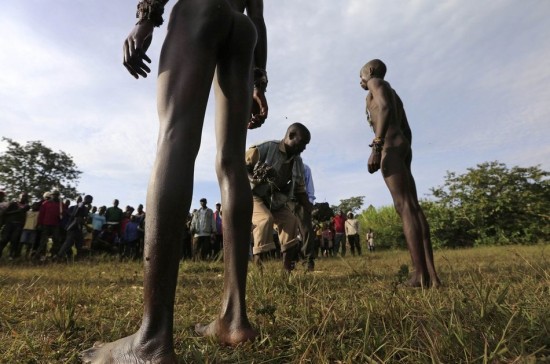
(287, 223)
(397, 176)
(233, 88)
(196, 33)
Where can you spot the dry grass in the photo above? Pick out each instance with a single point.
(494, 308)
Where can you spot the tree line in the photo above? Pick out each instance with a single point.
(489, 204)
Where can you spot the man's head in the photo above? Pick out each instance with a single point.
(47, 195)
(373, 69)
(102, 210)
(2, 196)
(218, 206)
(88, 200)
(296, 138)
(55, 195)
(203, 202)
(115, 202)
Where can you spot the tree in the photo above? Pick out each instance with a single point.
(493, 204)
(352, 204)
(386, 225)
(35, 168)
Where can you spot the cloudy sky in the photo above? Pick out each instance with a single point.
(473, 75)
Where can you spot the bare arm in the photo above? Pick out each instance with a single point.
(405, 128)
(381, 96)
(255, 11)
(135, 46)
(149, 16)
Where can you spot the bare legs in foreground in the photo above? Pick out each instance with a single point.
(203, 35)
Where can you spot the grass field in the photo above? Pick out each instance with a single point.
(494, 307)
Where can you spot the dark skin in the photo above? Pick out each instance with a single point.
(206, 40)
(135, 59)
(390, 124)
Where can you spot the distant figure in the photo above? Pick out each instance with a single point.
(77, 218)
(49, 219)
(370, 240)
(28, 236)
(98, 222)
(391, 152)
(339, 222)
(14, 219)
(352, 234)
(206, 40)
(327, 240)
(203, 229)
(114, 215)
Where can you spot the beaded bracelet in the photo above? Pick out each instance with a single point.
(377, 144)
(260, 79)
(151, 10)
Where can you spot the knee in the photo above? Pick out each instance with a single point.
(228, 164)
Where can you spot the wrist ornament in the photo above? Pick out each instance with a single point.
(377, 144)
(260, 79)
(151, 10)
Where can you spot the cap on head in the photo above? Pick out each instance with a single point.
(218, 204)
(202, 200)
(55, 193)
(46, 195)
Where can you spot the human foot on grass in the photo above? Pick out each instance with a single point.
(128, 350)
(226, 333)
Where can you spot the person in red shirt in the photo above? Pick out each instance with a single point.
(49, 219)
(339, 232)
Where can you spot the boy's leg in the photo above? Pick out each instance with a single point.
(233, 90)
(196, 31)
(397, 179)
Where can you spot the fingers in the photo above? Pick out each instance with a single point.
(256, 120)
(134, 59)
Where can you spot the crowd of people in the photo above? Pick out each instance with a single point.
(48, 229)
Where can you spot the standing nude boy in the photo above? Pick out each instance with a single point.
(206, 40)
(391, 152)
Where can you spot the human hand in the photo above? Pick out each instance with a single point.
(135, 47)
(374, 161)
(259, 109)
